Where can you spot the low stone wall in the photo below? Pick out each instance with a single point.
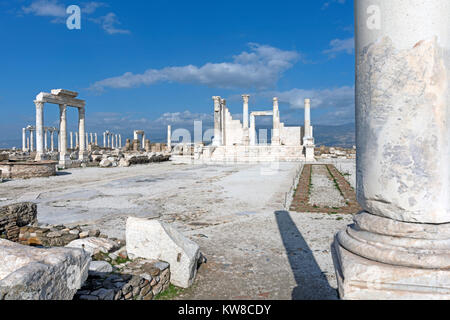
(14, 216)
(27, 169)
(57, 236)
(137, 280)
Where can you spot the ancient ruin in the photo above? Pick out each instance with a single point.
(398, 246)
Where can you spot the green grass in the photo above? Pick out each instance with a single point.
(169, 294)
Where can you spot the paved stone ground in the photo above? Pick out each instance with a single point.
(234, 212)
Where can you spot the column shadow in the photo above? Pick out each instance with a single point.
(311, 281)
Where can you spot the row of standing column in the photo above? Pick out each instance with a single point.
(111, 140)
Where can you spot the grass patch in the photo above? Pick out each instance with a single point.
(169, 294)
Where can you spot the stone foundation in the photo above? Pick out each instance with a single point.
(137, 280)
(27, 169)
(14, 216)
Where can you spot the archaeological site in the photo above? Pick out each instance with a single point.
(143, 187)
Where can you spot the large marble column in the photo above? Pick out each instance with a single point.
(31, 140)
(217, 141)
(246, 135)
(39, 131)
(143, 141)
(252, 129)
(276, 141)
(169, 135)
(307, 118)
(24, 139)
(63, 156)
(223, 110)
(45, 140)
(77, 142)
(104, 140)
(96, 139)
(71, 140)
(81, 133)
(52, 143)
(120, 141)
(399, 246)
(308, 140)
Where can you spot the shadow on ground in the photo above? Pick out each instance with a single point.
(311, 282)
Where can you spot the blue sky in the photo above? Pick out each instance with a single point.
(146, 64)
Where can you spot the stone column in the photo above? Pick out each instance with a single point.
(307, 118)
(246, 137)
(276, 123)
(71, 140)
(104, 140)
(77, 143)
(81, 133)
(217, 141)
(143, 141)
(24, 140)
(31, 140)
(245, 97)
(120, 141)
(45, 140)
(96, 139)
(52, 143)
(399, 245)
(223, 122)
(39, 130)
(169, 135)
(252, 130)
(63, 158)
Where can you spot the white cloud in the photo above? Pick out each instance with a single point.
(185, 117)
(109, 23)
(45, 8)
(261, 67)
(57, 11)
(340, 45)
(338, 103)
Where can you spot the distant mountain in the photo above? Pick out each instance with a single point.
(335, 136)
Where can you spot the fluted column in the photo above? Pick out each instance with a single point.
(120, 141)
(104, 140)
(143, 141)
(39, 130)
(71, 140)
(96, 139)
(399, 245)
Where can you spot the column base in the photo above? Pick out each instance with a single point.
(309, 153)
(381, 259)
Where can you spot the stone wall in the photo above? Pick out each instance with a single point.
(134, 280)
(28, 169)
(14, 216)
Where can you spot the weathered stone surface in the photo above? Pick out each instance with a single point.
(100, 266)
(14, 216)
(105, 163)
(153, 239)
(94, 245)
(28, 273)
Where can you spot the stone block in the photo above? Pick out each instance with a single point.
(94, 245)
(28, 273)
(153, 239)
